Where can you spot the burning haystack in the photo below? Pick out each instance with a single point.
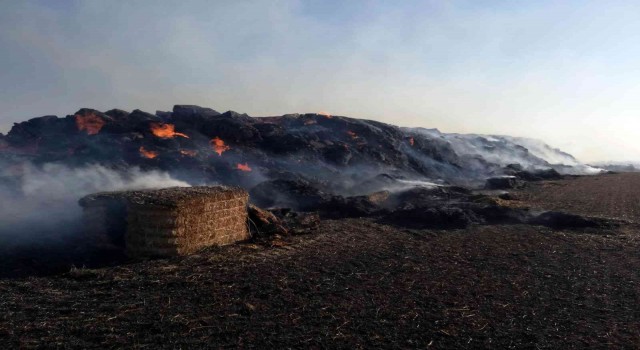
(170, 221)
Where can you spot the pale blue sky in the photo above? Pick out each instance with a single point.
(566, 72)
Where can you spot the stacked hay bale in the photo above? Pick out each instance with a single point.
(104, 217)
(171, 221)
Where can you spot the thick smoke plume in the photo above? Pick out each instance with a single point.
(42, 202)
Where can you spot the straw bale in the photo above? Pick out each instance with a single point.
(174, 221)
(105, 219)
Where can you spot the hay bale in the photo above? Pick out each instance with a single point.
(105, 218)
(170, 221)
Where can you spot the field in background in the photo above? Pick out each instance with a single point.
(611, 196)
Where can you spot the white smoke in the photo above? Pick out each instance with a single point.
(544, 151)
(44, 201)
(504, 150)
(57, 181)
(495, 149)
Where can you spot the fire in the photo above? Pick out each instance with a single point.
(325, 114)
(90, 122)
(352, 134)
(219, 146)
(411, 141)
(243, 167)
(147, 154)
(165, 131)
(188, 152)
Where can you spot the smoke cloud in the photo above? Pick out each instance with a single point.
(42, 203)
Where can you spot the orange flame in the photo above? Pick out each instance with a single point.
(325, 114)
(188, 152)
(243, 167)
(147, 154)
(165, 131)
(352, 134)
(411, 141)
(90, 122)
(219, 146)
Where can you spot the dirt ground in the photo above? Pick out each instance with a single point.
(359, 284)
(613, 196)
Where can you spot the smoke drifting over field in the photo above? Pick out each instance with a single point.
(43, 200)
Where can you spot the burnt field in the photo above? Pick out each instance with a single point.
(613, 196)
(360, 284)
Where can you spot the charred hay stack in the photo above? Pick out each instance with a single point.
(170, 221)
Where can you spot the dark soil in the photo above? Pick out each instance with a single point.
(612, 196)
(354, 284)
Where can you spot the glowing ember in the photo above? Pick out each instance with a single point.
(188, 152)
(219, 146)
(352, 134)
(90, 122)
(147, 154)
(243, 167)
(165, 131)
(411, 141)
(325, 114)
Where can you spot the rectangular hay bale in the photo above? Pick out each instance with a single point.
(171, 221)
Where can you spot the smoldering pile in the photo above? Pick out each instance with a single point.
(434, 207)
(298, 169)
(309, 162)
(202, 146)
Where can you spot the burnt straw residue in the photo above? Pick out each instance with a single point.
(293, 160)
(202, 146)
(352, 284)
